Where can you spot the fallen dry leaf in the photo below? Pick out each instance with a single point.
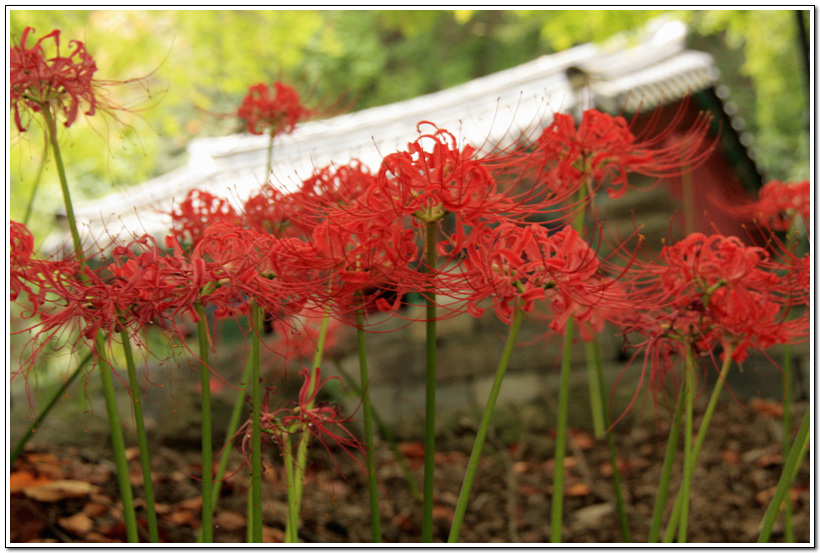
(443, 511)
(768, 460)
(577, 490)
(520, 467)
(765, 407)
(79, 524)
(229, 521)
(132, 453)
(412, 450)
(183, 518)
(59, 490)
(20, 480)
(94, 509)
(569, 462)
(193, 504)
(272, 535)
(730, 456)
(582, 440)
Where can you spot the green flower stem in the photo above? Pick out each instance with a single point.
(269, 164)
(704, 426)
(32, 429)
(787, 429)
(666, 471)
(225, 455)
(207, 528)
(688, 458)
(51, 125)
(117, 440)
(304, 440)
(596, 389)
(788, 379)
(429, 394)
(557, 509)
(142, 440)
(796, 453)
(385, 433)
(372, 484)
(249, 516)
(256, 429)
(475, 456)
(37, 180)
(117, 443)
(292, 526)
(593, 351)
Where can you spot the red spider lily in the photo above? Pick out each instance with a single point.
(603, 147)
(198, 211)
(277, 114)
(298, 213)
(527, 263)
(367, 259)
(712, 291)
(445, 179)
(147, 284)
(23, 268)
(699, 263)
(39, 82)
(321, 420)
(232, 266)
(434, 178)
(778, 206)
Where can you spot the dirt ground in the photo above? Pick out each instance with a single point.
(68, 494)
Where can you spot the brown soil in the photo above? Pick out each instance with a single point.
(736, 475)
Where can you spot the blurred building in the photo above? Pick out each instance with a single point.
(653, 75)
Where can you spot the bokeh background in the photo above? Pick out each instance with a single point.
(192, 69)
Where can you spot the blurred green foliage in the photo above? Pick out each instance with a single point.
(194, 67)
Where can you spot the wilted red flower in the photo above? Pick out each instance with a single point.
(41, 82)
(322, 421)
(276, 114)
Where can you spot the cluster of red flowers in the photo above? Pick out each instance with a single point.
(350, 239)
(706, 292)
(276, 113)
(41, 82)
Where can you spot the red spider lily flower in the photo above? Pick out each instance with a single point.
(526, 263)
(277, 114)
(198, 211)
(321, 421)
(39, 82)
(298, 213)
(778, 206)
(711, 291)
(367, 259)
(23, 268)
(604, 148)
(232, 265)
(698, 264)
(147, 284)
(434, 178)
